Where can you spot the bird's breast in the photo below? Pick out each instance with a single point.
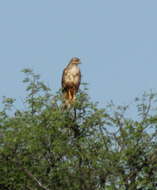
(73, 75)
(74, 69)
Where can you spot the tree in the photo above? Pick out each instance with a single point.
(83, 147)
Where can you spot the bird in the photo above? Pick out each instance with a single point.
(71, 79)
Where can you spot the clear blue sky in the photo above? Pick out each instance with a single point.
(115, 39)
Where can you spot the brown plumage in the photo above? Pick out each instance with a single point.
(71, 79)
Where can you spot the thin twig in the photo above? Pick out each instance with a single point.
(34, 179)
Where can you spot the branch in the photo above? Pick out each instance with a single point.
(34, 179)
(29, 188)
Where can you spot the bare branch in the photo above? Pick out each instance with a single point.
(34, 179)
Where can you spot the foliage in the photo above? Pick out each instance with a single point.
(84, 147)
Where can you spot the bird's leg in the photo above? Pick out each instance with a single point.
(70, 96)
(74, 94)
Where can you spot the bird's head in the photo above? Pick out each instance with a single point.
(75, 61)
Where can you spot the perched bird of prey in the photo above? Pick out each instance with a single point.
(71, 79)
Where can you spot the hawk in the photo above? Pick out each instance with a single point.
(71, 79)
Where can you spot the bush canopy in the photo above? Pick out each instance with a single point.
(85, 147)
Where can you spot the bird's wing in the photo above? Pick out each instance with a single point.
(78, 76)
(64, 75)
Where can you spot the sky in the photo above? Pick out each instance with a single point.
(116, 41)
